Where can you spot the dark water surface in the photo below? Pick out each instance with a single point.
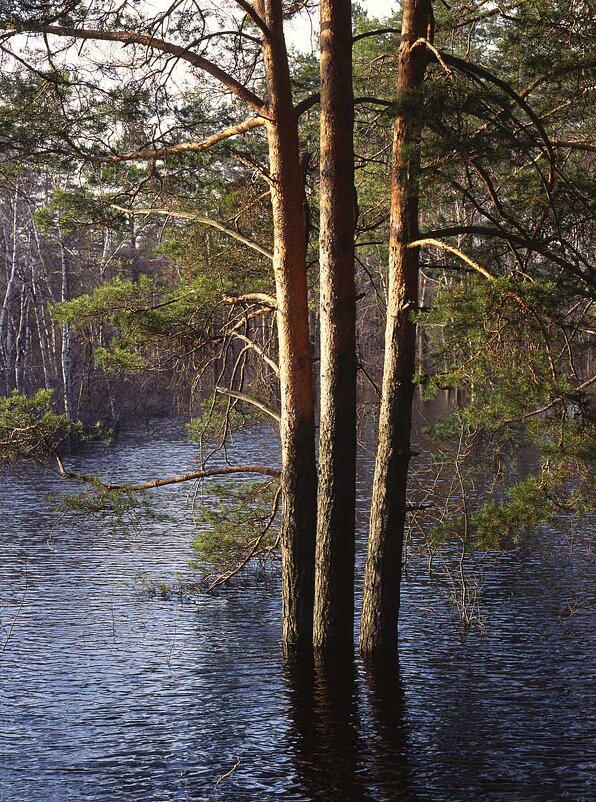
(109, 696)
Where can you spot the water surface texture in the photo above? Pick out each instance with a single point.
(109, 696)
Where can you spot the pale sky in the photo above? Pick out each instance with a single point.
(299, 32)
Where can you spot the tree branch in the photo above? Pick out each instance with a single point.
(252, 298)
(258, 350)
(575, 144)
(250, 400)
(444, 246)
(200, 219)
(133, 38)
(223, 578)
(258, 21)
(307, 103)
(378, 32)
(553, 403)
(530, 244)
(193, 476)
(168, 150)
(481, 73)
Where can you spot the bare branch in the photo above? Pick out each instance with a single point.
(307, 103)
(208, 221)
(575, 144)
(257, 349)
(444, 246)
(250, 400)
(252, 298)
(379, 32)
(525, 242)
(193, 476)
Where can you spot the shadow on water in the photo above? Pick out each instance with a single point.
(388, 731)
(348, 734)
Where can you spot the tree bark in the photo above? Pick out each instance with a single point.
(380, 605)
(334, 573)
(297, 428)
(66, 353)
(6, 322)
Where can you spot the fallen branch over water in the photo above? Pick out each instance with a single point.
(192, 476)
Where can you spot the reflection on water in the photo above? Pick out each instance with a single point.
(109, 697)
(349, 731)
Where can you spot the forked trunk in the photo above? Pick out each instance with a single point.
(334, 576)
(295, 359)
(380, 605)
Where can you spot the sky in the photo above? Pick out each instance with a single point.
(300, 34)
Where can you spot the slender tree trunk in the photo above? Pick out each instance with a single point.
(42, 333)
(103, 266)
(295, 359)
(22, 342)
(334, 576)
(6, 322)
(66, 352)
(380, 606)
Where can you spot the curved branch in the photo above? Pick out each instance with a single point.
(200, 219)
(133, 38)
(168, 150)
(223, 578)
(379, 32)
(250, 400)
(480, 72)
(575, 392)
(258, 350)
(258, 21)
(438, 244)
(524, 242)
(192, 476)
(307, 103)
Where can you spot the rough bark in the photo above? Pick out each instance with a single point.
(380, 606)
(334, 574)
(298, 479)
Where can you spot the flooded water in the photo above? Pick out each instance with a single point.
(109, 696)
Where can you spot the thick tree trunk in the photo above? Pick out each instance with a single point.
(295, 359)
(334, 575)
(380, 605)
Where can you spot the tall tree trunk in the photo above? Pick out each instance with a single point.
(380, 605)
(334, 575)
(22, 343)
(295, 359)
(66, 352)
(103, 266)
(6, 322)
(42, 332)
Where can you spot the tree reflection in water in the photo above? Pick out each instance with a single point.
(348, 736)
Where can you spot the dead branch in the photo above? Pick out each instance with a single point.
(208, 221)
